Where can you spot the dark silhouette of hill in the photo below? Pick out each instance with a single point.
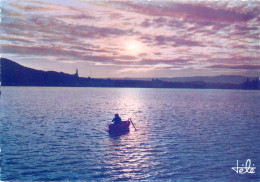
(13, 74)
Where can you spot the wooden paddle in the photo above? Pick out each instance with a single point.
(132, 123)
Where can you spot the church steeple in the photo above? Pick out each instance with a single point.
(77, 73)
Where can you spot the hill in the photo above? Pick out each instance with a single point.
(13, 74)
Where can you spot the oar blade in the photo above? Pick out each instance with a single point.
(133, 124)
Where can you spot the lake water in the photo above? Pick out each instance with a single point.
(56, 134)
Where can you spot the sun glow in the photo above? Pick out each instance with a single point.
(134, 47)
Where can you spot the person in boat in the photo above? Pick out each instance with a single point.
(117, 119)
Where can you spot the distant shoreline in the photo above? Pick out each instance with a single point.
(13, 74)
(133, 88)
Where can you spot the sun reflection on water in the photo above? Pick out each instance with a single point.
(131, 155)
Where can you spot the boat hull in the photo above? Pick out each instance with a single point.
(119, 128)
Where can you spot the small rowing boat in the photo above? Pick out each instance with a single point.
(119, 128)
(122, 127)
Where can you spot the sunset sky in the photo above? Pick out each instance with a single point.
(133, 38)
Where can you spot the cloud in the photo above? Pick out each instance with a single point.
(243, 67)
(233, 59)
(177, 41)
(86, 49)
(136, 70)
(164, 61)
(192, 11)
(33, 6)
(40, 33)
(146, 23)
(53, 51)
(15, 39)
(80, 16)
(245, 28)
(95, 31)
(173, 34)
(43, 22)
(147, 68)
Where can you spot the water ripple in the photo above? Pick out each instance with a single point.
(183, 135)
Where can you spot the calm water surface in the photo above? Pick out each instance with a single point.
(55, 134)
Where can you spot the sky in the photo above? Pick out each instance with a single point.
(138, 39)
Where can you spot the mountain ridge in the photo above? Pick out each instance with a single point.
(234, 79)
(14, 74)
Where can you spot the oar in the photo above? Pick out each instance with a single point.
(132, 123)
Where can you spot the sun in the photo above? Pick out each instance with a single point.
(134, 47)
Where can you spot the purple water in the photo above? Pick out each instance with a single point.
(58, 134)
